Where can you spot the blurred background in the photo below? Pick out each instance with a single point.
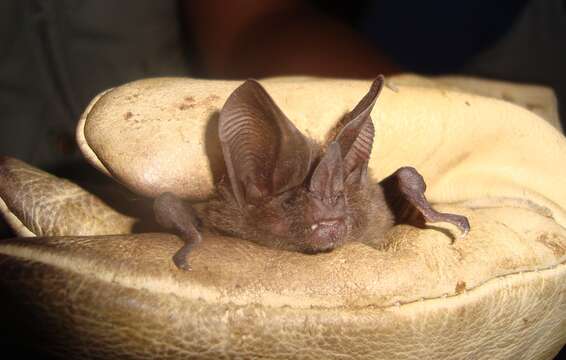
(56, 55)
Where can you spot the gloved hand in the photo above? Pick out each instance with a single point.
(101, 291)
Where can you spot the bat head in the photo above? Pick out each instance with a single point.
(287, 192)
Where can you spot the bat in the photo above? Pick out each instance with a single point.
(284, 190)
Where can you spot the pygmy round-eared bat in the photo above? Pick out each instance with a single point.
(288, 192)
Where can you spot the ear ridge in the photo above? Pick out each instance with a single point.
(356, 137)
(262, 149)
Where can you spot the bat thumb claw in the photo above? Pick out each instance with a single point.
(181, 263)
(464, 228)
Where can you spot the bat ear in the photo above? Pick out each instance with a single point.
(328, 176)
(265, 153)
(356, 137)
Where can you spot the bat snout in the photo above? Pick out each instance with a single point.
(326, 235)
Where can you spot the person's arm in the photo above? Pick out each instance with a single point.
(255, 38)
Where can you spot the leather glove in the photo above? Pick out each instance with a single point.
(101, 291)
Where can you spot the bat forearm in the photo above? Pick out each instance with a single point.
(173, 213)
(405, 190)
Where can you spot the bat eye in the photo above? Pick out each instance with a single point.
(332, 199)
(287, 203)
(287, 200)
(337, 197)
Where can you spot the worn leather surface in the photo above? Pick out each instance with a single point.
(119, 297)
(159, 135)
(499, 293)
(536, 98)
(36, 203)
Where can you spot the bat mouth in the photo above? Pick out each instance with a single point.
(325, 235)
(335, 223)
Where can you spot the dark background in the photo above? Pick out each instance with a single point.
(56, 55)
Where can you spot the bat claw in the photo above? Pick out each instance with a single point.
(463, 224)
(184, 267)
(181, 263)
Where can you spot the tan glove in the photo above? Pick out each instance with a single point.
(499, 293)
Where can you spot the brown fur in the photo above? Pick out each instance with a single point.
(367, 216)
(283, 190)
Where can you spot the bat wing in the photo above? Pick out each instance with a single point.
(265, 153)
